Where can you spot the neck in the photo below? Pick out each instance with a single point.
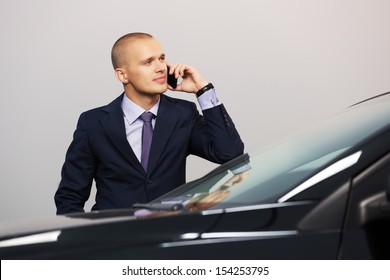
(145, 101)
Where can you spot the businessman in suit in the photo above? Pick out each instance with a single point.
(107, 144)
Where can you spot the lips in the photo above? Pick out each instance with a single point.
(161, 79)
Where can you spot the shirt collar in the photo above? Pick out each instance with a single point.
(132, 111)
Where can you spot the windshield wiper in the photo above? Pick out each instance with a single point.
(159, 206)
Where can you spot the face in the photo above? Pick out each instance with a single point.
(144, 71)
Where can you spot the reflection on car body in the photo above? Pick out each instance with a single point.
(322, 193)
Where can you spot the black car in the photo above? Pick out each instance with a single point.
(322, 193)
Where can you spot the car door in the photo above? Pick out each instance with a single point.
(367, 225)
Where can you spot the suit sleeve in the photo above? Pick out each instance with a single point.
(215, 136)
(77, 172)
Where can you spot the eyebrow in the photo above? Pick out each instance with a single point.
(152, 58)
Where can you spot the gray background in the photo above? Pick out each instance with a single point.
(277, 65)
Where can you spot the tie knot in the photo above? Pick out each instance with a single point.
(146, 116)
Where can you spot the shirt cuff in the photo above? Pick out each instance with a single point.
(208, 100)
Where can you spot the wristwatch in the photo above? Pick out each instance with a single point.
(204, 89)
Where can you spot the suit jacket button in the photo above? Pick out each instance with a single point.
(149, 182)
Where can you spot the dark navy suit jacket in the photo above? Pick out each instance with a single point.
(100, 151)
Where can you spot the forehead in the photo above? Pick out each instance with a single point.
(143, 48)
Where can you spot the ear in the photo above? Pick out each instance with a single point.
(121, 74)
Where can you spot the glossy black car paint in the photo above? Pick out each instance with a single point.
(344, 216)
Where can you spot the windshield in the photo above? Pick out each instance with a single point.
(266, 176)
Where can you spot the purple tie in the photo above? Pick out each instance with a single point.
(147, 134)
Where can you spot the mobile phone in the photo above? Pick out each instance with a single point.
(172, 81)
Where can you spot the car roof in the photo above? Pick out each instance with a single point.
(383, 96)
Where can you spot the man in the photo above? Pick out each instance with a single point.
(108, 143)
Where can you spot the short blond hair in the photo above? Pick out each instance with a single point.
(117, 48)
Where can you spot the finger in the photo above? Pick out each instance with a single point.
(169, 65)
(173, 68)
(185, 69)
(182, 68)
(177, 71)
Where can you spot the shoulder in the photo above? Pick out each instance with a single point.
(113, 106)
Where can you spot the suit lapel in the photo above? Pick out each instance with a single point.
(114, 126)
(166, 120)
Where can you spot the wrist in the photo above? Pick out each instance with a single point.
(204, 89)
(200, 84)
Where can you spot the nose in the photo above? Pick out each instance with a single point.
(160, 66)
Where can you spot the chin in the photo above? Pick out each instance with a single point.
(162, 89)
